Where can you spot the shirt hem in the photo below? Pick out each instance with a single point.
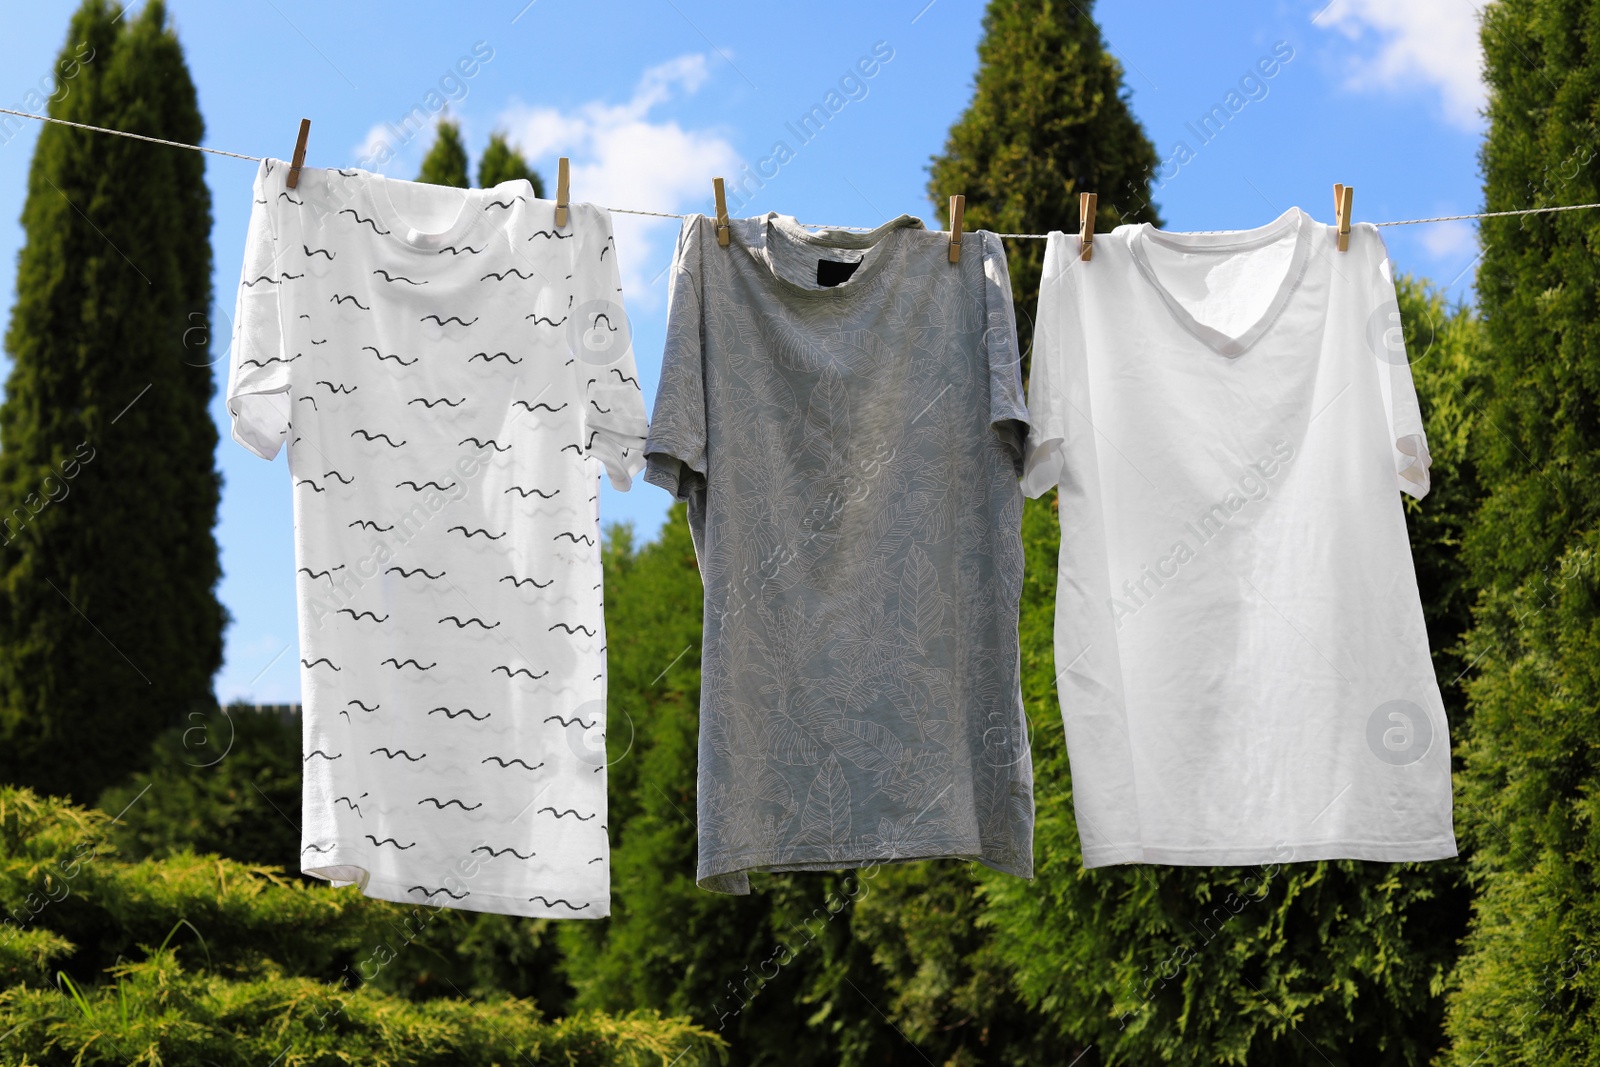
(1437, 848)
(732, 876)
(493, 903)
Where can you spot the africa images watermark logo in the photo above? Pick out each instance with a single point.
(1399, 732)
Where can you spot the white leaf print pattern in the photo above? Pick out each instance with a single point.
(826, 817)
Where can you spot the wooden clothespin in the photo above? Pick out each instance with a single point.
(1088, 204)
(958, 208)
(1342, 196)
(298, 160)
(561, 191)
(722, 212)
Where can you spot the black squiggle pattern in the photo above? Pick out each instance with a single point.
(292, 200)
(475, 533)
(429, 404)
(392, 753)
(536, 407)
(454, 251)
(462, 624)
(568, 722)
(320, 574)
(448, 319)
(474, 716)
(381, 356)
(559, 900)
(490, 443)
(375, 436)
(509, 762)
(352, 613)
(435, 892)
(625, 377)
(397, 277)
(390, 841)
(312, 484)
(526, 493)
(370, 525)
(353, 805)
(564, 813)
(501, 275)
(505, 203)
(545, 319)
(337, 298)
(547, 234)
(425, 485)
(447, 803)
(520, 670)
(344, 389)
(520, 582)
(419, 570)
(359, 219)
(319, 659)
(362, 706)
(270, 280)
(576, 448)
(336, 474)
(573, 629)
(317, 252)
(487, 358)
(408, 662)
(497, 853)
(575, 538)
(274, 359)
(319, 752)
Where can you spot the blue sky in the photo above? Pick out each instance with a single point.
(651, 98)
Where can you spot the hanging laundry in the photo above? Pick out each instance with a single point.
(451, 372)
(1243, 665)
(843, 414)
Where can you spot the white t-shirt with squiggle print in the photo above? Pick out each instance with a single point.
(451, 373)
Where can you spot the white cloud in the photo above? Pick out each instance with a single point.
(1450, 240)
(1432, 43)
(622, 156)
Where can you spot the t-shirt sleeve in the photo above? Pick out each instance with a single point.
(676, 449)
(613, 410)
(1008, 413)
(1055, 325)
(1407, 441)
(258, 373)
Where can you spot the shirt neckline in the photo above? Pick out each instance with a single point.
(1232, 241)
(401, 232)
(873, 241)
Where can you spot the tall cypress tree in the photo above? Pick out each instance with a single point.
(109, 624)
(1049, 119)
(1528, 987)
(446, 161)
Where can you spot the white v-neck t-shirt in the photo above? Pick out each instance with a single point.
(451, 372)
(1243, 665)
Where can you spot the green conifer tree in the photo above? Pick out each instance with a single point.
(1049, 119)
(110, 629)
(446, 161)
(1528, 986)
(502, 163)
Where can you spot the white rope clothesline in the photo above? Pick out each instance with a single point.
(673, 215)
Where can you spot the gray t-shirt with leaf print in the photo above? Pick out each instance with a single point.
(849, 451)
